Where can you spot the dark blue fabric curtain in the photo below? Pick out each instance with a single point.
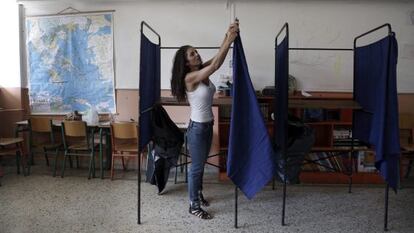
(250, 161)
(281, 98)
(375, 89)
(149, 87)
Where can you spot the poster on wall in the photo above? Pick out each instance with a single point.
(70, 63)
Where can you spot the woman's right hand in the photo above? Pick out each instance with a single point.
(232, 31)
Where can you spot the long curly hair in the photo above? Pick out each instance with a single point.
(179, 71)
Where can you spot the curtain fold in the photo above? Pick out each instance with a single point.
(375, 89)
(281, 98)
(149, 87)
(251, 158)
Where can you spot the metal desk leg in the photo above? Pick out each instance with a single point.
(100, 152)
(108, 150)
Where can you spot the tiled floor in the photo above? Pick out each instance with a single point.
(41, 203)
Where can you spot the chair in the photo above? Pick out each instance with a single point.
(78, 142)
(13, 146)
(42, 140)
(407, 141)
(124, 139)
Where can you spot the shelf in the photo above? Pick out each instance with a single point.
(331, 131)
(334, 123)
(339, 148)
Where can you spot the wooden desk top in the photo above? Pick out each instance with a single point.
(11, 109)
(103, 124)
(304, 102)
(325, 104)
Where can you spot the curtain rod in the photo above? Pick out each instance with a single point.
(323, 49)
(196, 47)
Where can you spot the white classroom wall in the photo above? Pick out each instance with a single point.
(203, 23)
(9, 45)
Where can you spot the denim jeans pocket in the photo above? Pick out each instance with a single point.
(201, 126)
(198, 130)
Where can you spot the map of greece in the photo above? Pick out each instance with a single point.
(70, 63)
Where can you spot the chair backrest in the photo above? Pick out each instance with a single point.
(123, 133)
(406, 121)
(41, 131)
(406, 129)
(74, 128)
(124, 130)
(41, 124)
(74, 132)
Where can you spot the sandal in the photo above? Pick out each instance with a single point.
(203, 201)
(198, 212)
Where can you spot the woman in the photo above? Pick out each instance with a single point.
(190, 80)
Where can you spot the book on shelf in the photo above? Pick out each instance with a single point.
(366, 161)
(347, 142)
(342, 137)
(342, 133)
(264, 108)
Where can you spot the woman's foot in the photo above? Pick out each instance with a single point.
(203, 201)
(196, 210)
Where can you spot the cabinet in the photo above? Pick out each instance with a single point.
(330, 115)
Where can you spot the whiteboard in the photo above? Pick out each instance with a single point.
(167, 58)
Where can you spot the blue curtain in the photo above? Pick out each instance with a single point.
(250, 161)
(149, 87)
(375, 89)
(281, 98)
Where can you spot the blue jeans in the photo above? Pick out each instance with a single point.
(199, 137)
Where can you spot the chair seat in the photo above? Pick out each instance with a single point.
(10, 141)
(126, 148)
(80, 146)
(51, 146)
(47, 146)
(9, 146)
(408, 148)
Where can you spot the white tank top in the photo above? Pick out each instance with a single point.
(200, 101)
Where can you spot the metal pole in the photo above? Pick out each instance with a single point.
(196, 47)
(351, 169)
(235, 207)
(284, 120)
(284, 196)
(139, 185)
(143, 23)
(323, 49)
(387, 188)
